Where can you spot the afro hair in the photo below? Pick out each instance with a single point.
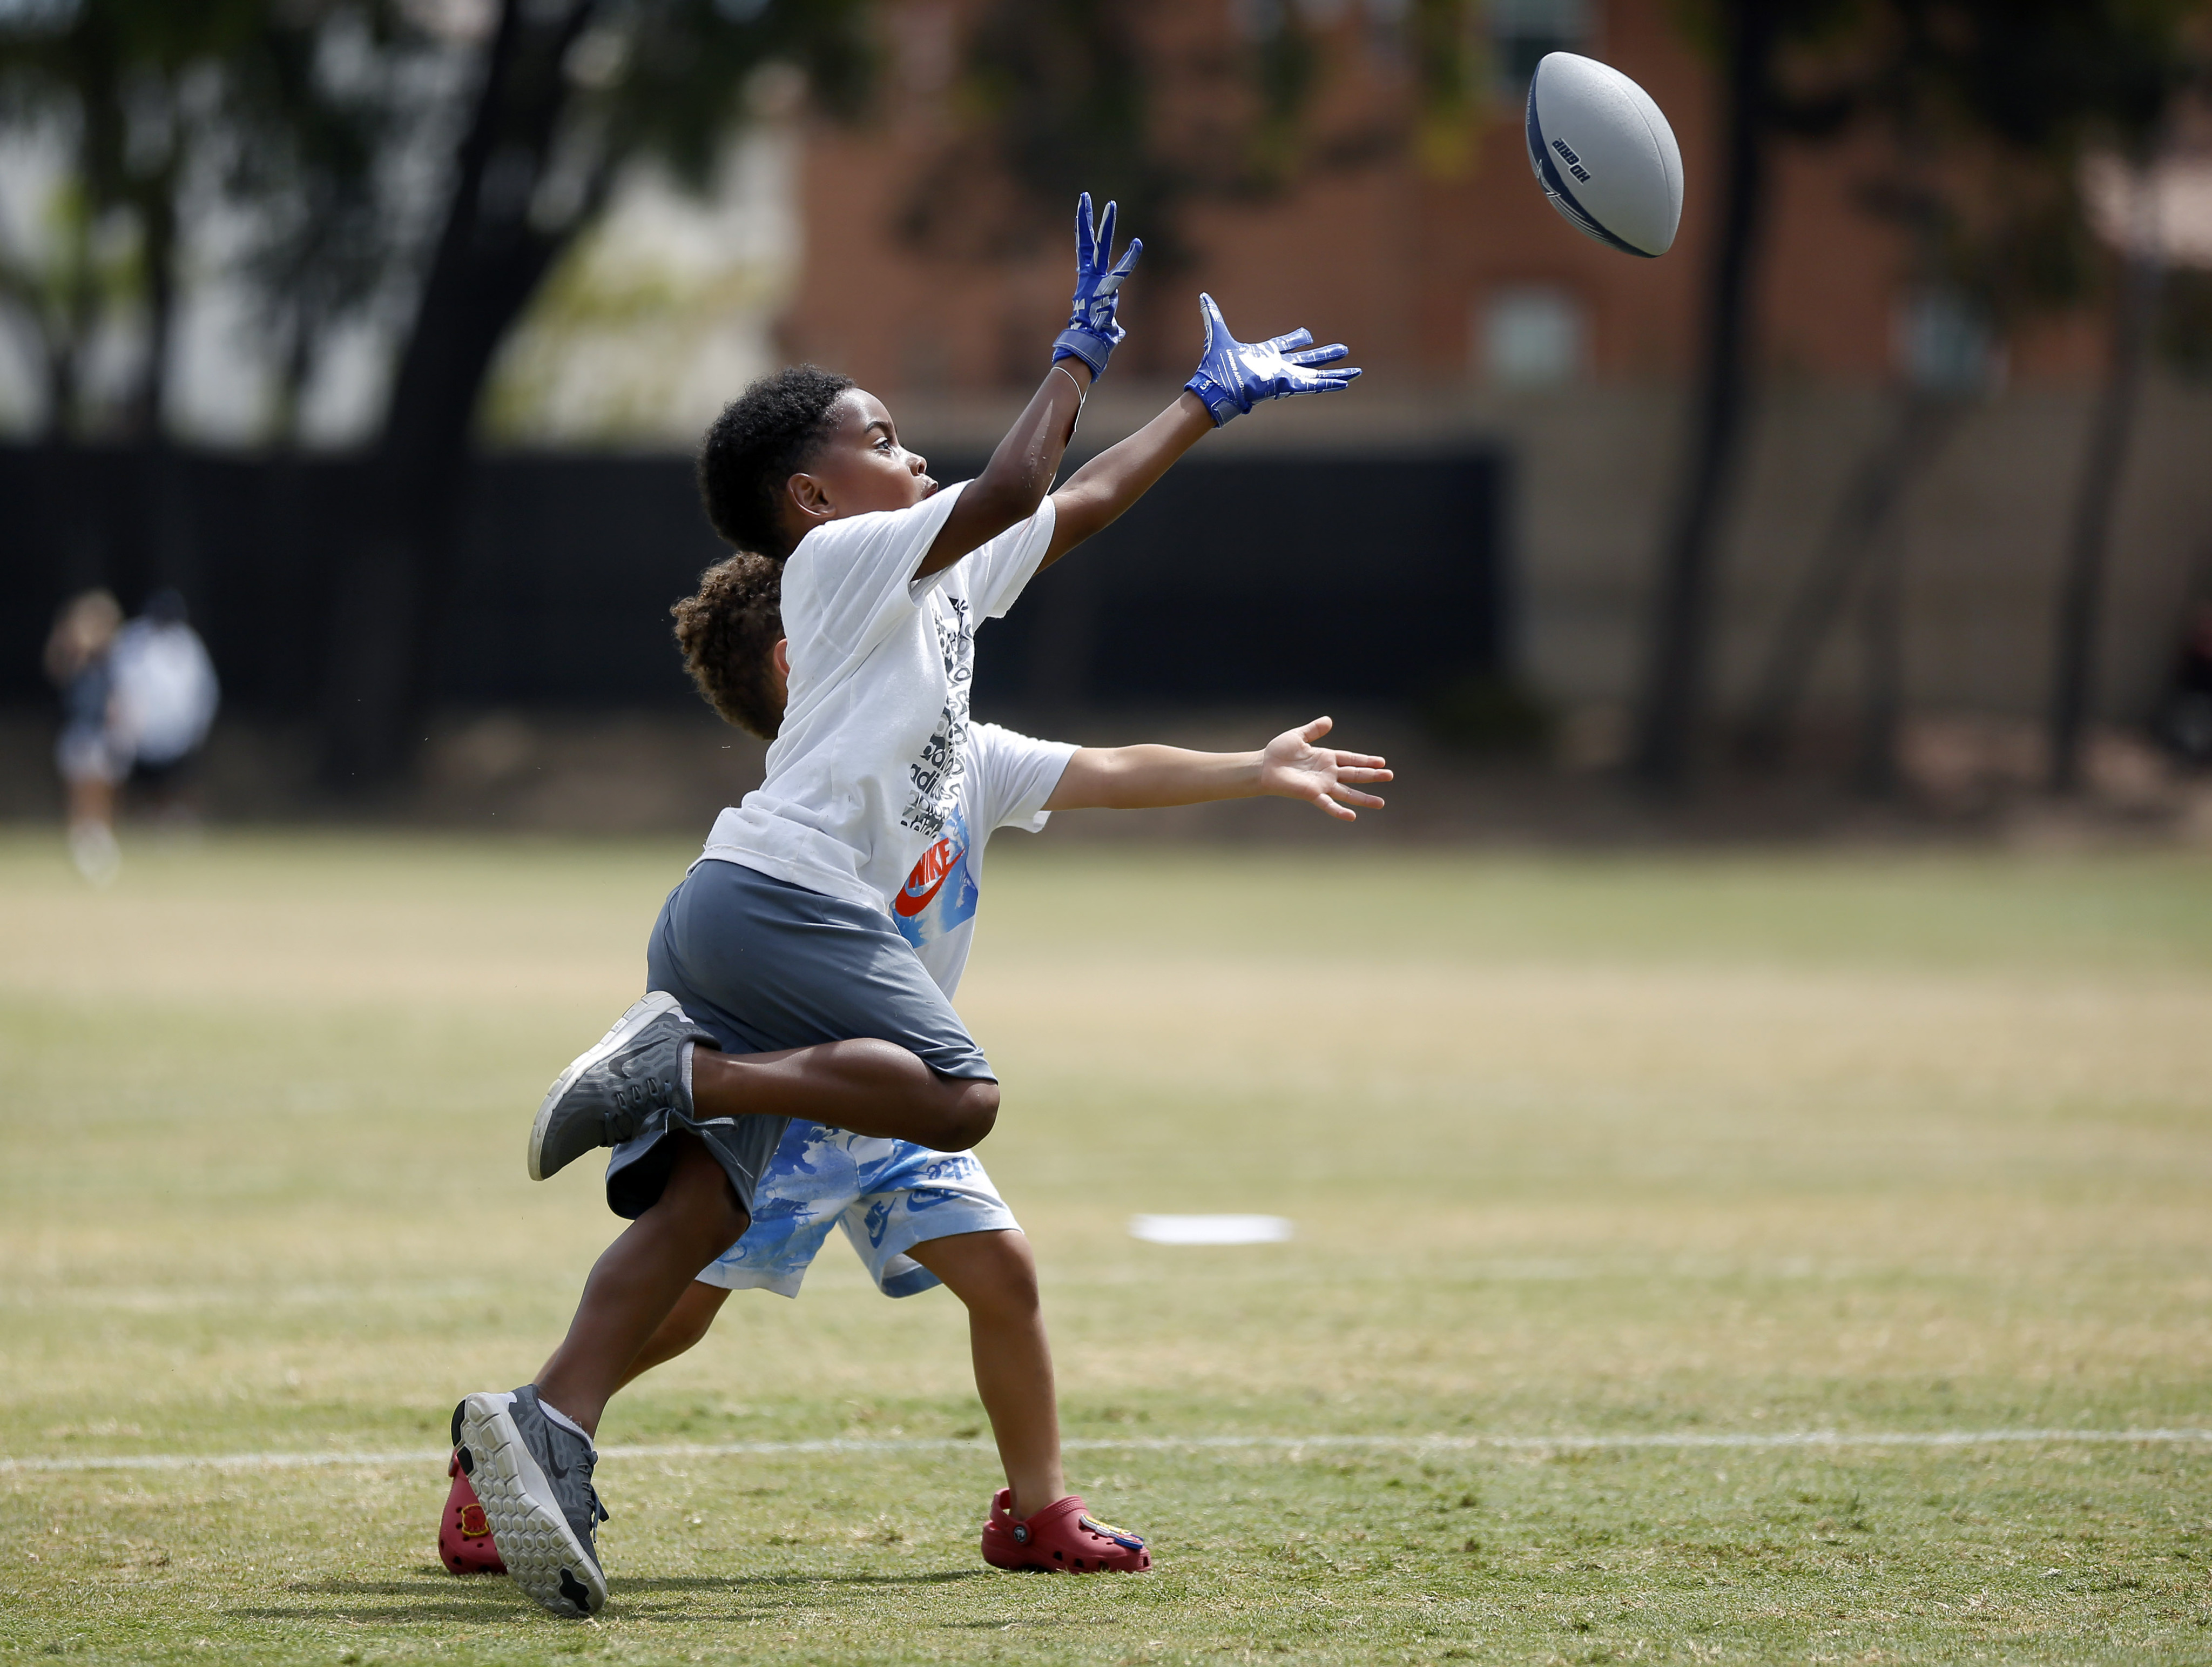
(753, 447)
(727, 630)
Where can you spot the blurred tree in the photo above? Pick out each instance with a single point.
(148, 116)
(312, 126)
(430, 160)
(125, 91)
(2038, 87)
(1966, 284)
(1759, 107)
(563, 93)
(1994, 104)
(1858, 558)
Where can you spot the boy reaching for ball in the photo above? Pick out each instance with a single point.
(778, 985)
(919, 1218)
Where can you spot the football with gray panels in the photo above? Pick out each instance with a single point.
(1604, 153)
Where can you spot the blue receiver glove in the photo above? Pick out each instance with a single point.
(1091, 332)
(1233, 376)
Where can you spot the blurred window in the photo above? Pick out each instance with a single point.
(1523, 31)
(1532, 338)
(1942, 344)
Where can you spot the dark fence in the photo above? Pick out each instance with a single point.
(1243, 577)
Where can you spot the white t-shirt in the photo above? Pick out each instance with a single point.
(866, 771)
(166, 692)
(1008, 778)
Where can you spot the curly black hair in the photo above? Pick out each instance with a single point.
(762, 436)
(727, 630)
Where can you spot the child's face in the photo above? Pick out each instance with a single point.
(861, 468)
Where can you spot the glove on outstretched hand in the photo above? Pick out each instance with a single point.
(1091, 332)
(1233, 376)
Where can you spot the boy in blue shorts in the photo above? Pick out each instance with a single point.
(919, 1218)
(778, 985)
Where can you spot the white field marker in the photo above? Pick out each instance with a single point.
(1211, 1229)
(1292, 1446)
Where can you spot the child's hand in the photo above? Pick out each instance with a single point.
(1091, 332)
(1233, 376)
(1292, 767)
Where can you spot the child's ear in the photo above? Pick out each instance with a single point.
(808, 497)
(781, 656)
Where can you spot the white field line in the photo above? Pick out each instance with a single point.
(1294, 1445)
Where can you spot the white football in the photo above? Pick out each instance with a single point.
(1604, 155)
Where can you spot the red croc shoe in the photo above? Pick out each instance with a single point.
(463, 1532)
(1063, 1536)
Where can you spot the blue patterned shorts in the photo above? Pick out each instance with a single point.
(887, 1195)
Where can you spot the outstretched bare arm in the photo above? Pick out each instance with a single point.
(1019, 472)
(1292, 766)
(1101, 488)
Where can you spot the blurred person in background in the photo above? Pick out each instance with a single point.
(164, 699)
(80, 660)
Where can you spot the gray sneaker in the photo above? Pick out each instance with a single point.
(637, 1071)
(534, 1479)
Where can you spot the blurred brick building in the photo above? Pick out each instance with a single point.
(1484, 320)
(1441, 271)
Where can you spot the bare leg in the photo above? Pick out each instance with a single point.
(639, 1280)
(92, 845)
(995, 1276)
(868, 1087)
(91, 800)
(687, 1322)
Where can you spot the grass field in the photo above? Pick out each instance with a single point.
(1592, 1160)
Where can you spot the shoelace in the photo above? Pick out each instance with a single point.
(634, 1103)
(599, 1512)
(590, 1488)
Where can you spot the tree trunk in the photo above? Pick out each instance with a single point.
(1868, 505)
(61, 382)
(1881, 636)
(163, 531)
(2081, 584)
(1668, 725)
(489, 261)
(66, 330)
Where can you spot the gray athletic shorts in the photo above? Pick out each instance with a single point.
(761, 964)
